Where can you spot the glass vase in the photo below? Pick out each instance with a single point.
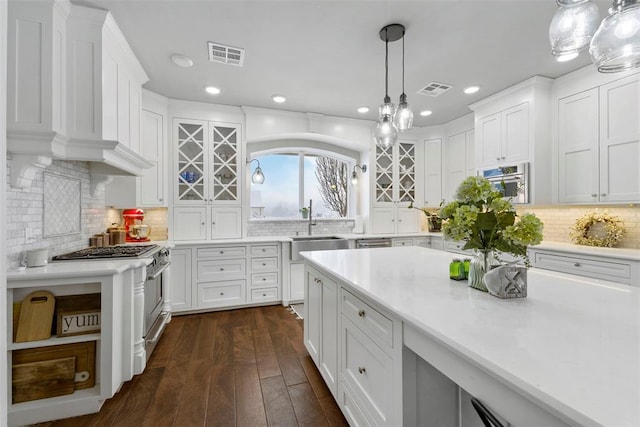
(480, 263)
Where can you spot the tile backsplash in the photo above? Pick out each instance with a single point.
(27, 210)
(156, 218)
(558, 221)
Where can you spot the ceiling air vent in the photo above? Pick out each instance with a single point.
(434, 89)
(226, 54)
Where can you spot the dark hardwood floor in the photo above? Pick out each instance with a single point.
(245, 367)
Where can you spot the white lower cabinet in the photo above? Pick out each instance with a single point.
(615, 269)
(296, 281)
(181, 279)
(320, 331)
(357, 348)
(223, 276)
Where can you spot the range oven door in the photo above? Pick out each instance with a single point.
(154, 318)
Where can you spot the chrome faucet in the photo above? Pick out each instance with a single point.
(311, 223)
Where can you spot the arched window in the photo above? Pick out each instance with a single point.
(295, 175)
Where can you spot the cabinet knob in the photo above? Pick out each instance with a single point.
(361, 313)
(393, 220)
(264, 250)
(221, 293)
(221, 269)
(264, 279)
(264, 264)
(594, 195)
(498, 158)
(503, 157)
(264, 295)
(603, 194)
(577, 264)
(399, 220)
(203, 223)
(361, 369)
(221, 252)
(160, 199)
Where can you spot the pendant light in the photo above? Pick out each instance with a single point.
(257, 177)
(403, 118)
(386, 133)
(616, 45)
(572, 27)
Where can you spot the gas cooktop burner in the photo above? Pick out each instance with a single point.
(133, 251)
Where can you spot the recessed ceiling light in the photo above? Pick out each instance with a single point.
(212, 90)
(363, 110)
(181, 60)
(278, 98)
(425, 113)
(471, 89)
(566, 57)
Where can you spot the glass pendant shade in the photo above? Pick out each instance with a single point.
(403, 118)
(354, 178)
(386, 133)
(386, 109)
(616, 45)
(257, 177)
(572, 27)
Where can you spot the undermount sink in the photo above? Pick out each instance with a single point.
(315, 243)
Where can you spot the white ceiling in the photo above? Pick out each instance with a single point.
(326, 57)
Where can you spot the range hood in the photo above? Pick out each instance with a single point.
(74, 92)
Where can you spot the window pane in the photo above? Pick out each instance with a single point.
(278, 196)
(325, 182)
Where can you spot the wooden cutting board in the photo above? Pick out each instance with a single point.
(39, 380)
(36, 316)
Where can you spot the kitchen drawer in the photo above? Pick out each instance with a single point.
(264, 250)
(264, 295)
(210, 270)
(222, 252)
(375, 324)
(264, 279)
(456, 247)
(617, 271)
(402, 242)
(368, 372)
(216, 294)
(351, 410)
(264, 264)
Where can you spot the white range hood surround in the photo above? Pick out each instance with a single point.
(74, 92)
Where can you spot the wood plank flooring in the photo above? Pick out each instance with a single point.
(245, 367)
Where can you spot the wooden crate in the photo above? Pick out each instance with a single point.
(77, 314)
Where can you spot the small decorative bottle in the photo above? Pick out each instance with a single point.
(456, 269)
(467, 265)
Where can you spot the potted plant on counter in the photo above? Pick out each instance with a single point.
(305, 212)
(434, 222)
(489, 224)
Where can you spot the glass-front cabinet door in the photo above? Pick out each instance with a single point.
(406, 172)
(225, 162)
(190, 154)
(384, 175)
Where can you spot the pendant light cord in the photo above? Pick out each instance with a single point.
(403, 62)
(386, 66)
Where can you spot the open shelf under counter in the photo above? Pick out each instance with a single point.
(54, 341)
(80, 402)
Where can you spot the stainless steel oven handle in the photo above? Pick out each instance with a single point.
(161, 321)
(159, 272)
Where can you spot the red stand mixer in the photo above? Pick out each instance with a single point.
(135, 229)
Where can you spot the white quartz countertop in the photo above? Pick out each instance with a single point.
(572, 346)
(66, 269)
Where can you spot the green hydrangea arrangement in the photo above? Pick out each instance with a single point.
(482, 217)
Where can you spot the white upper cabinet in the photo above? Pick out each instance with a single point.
(74, 90)
(432, 172)
(598, 153)
(459, 162)
(513, 126)
(394, 189)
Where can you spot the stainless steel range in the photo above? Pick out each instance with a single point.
(157, 312)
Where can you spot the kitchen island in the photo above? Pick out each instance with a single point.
(568, 354)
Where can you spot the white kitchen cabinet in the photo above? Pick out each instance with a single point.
(503, 137)
(207, 163)
(150, 189)
(432, 172)
(296, 281)
(513, 126)
(394, 188)
(458, 161)
(181, 284)
(265, 272)
(599, 144)
(433, 242)
(320, 337)
(597, 265)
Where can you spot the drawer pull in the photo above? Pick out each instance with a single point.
(361, 313)
(221, 252)
(263, 264)
(264, 250)
(603, 194)
(221, 269)
(577, 264)
(221, 293)
(361, 370)
(594, 195)
(264, 295)
(264, 278)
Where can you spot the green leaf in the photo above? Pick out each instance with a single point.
(487, 221)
